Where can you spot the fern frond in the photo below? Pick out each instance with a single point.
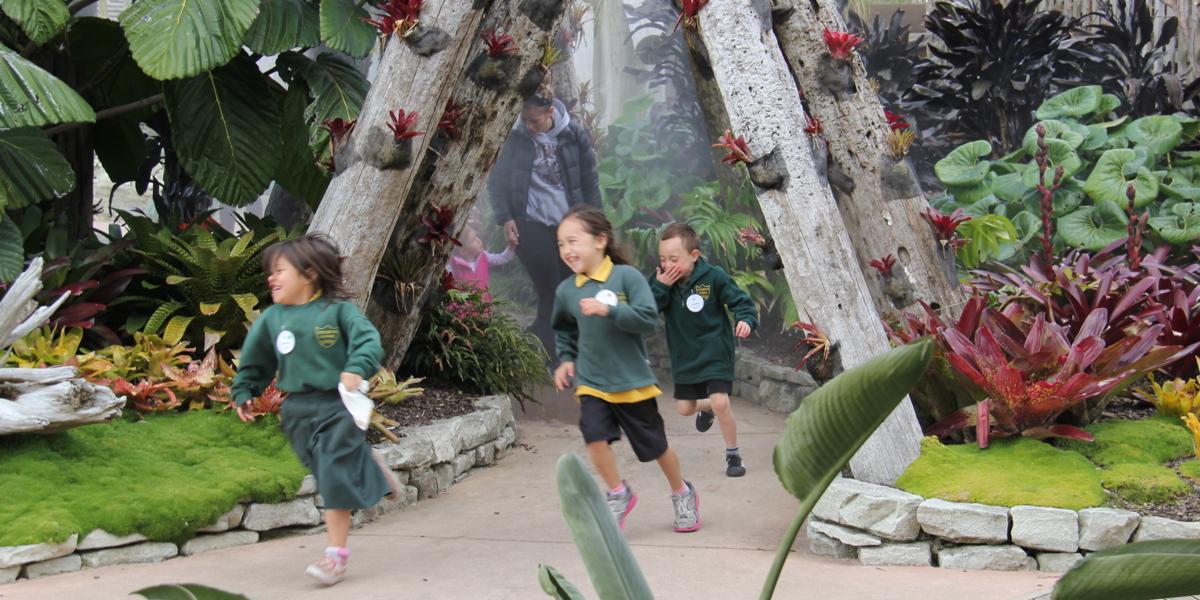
(160, 316)
(176, 328)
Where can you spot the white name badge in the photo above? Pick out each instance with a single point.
(286, 342)
(695, 303)
(608, 297)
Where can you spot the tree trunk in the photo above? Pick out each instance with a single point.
(612, 51)
(455, 173)
(764, 107)
(367, 193)
(878, 196)
(716, 120)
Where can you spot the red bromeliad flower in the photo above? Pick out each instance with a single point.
(498, 45)
(895, 121)
(750, 236)
(739, 152)
(439, 227)
(449, 282)
(814, 125)
(144, 396)
(945, 225)
(399, 16)
(338, 128)
(691, 9)
(450, 117)
(884, 265)
(815, 338)
(400, 124)
(841, 44)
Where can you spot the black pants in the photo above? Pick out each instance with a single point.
(538, 252)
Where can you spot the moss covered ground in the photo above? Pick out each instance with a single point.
(1126, 459)
(1191, 469)
(162, 477)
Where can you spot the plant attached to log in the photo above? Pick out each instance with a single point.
(398, 154)
(690, 15)
(899, 142)
(739, 152)
(895, 121)
(498, 45)
(813, 125)
(399, 16)
(835, 74)
(338, 129)
(449, 121)
(944, 227)
(841, 44)
(496, 67)
(438, 227)
(884, 265)
(551, 55)
(816, 339)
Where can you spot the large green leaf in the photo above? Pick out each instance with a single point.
(985, 233)
(1060, 154)
(1075, 102)
(1138, 571)
(1009, 187)
(297, 170)
(833, 422)
(31, 96)
(962, 166)
(31, 168)
(40, 19)
(226, 125)
(343, 27)
(554, 584)
(337, 88)
(1181, 227)
(187, 591)
(283, 25)
(615, 573)
(171, 39)
(1114, 171)
(94, 42)
(1094, 227)
(120, 146)
(1158, 133)
(12, 249)
(1055, 130)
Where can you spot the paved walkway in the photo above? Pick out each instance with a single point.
(484, 538)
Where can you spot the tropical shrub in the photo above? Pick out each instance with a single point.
(1176, 397)
(46, 347)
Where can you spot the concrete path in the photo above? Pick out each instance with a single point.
(485, 537)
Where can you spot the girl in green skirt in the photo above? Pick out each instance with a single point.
(309, 341)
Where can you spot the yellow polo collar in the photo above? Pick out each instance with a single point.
(601, 274)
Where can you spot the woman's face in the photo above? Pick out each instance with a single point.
(581, 250)
(538, 120)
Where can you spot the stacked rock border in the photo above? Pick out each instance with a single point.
(427, 461)
(883, 526)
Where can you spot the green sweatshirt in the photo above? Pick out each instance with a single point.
(608, 352)
(701, 341)
(309, 345)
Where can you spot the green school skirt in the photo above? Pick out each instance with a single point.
(323, 435)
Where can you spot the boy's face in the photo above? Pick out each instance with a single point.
(672, 253)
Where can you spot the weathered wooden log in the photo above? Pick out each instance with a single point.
(879, 197)
(19, 314)
(368, 191)
(54, 408)
(764, 106)
(455, 174)
(44, 376)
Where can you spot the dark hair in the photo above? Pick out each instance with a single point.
(315, 254)
(683, 231)
(595, 223)
(543, 98)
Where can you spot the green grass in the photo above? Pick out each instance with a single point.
(1009, 472)
(1191, 469)
(163, 477)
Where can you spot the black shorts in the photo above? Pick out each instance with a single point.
(700, 391)
(602, 421)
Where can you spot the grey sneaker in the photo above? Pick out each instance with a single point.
(621, 504)
(687, 509)
(704, 420)
(735, 468)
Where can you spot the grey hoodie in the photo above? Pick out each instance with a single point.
(547, 193)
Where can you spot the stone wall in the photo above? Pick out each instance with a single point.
(427, 461)
(756, 380)
(883, 526)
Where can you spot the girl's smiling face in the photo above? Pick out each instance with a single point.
(288, 285)
(582, 251)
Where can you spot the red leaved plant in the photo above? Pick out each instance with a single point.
(144, 396)
(439, 226)
(884, 265)
(895, 121)
(815, 338)
(739, 152)
(399, 16)
(691, 10)
(498, 45)
(841, 44)
(945, 225)
(197, 381)
(813, 126)
(401, 123)
(338, 128)
(450, 117)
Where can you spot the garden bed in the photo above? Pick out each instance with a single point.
(440, 400)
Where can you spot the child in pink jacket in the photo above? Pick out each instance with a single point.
(469, 263)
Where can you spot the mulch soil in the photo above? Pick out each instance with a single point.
(1188, 508)
(440, 400)
(774, 346)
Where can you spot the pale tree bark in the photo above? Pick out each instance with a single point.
(611, 53)
(764, 107)
(364, 201)
(455, 174)
(878, 196)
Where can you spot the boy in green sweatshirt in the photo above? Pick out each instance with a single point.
(693, 297)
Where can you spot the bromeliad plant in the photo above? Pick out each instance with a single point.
(399, 17)
(840, 44)
(450, 117)
(498, 45)
(945, 227)
(384, 387)
(438, 227)
(884, 265)
(739, 152)
(690, 17)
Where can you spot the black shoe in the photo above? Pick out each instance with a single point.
(735, 468)
(704, 420)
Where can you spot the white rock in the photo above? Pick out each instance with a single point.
(1042, 528)
(9, 574)
(823, 545)
(1057, 562)
(308, 486)
(508, 436)
(478, 428)
(55, 566)
(218, 541)
(886, 512)
(964, 522)
(301, 511)
(146, 552)
(485, 455)
(845, 535)
(100, 538)
(462, 462)
(990, 558)
(502, 405)
(445, 436)
(911, 554)
(1103, 528)
(1158, 528)
(227, 521)
(414, 451)
(426, 484)
(15, 556)
(445, 476)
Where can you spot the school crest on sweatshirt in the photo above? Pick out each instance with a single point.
(327, 335)
(704, 290)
